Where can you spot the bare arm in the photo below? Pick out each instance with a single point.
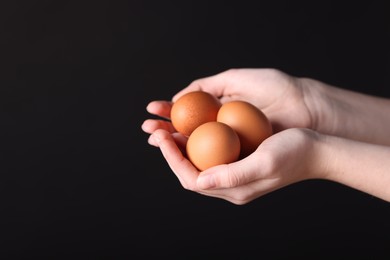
(347, 113)
(363, 166)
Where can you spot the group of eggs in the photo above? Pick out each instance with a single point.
(218, 133)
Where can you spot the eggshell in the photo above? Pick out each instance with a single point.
(193, 109)
(249, 122)
(212, 143)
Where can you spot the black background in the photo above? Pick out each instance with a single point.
(77, 177)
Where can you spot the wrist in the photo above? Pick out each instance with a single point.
(323, 158)
(320, 106)
(318, 156)
(311, 158)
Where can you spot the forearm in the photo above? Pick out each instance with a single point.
(362, 166)
(348, 114)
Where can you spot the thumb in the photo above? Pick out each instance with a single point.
(229, 175)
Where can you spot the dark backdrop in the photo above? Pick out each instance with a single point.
(77, 177)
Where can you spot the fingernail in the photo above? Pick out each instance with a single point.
(148, 107)
(156, 138)
(206, 181)
(143, 126)
(151, 140)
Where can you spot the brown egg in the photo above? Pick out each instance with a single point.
(212, 143)
(193, 109)
(250, 123)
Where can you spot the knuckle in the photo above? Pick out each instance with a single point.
(188, 187)
(267, 164)
(232, 72)
(242, 198)
(232, 178)
(275, 72)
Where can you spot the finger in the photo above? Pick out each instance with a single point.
(160, 108)
(243, 194)
(179, 139)
(217, 85)
(151, 125)
(152, 141)
(181, 167)
(230, 175)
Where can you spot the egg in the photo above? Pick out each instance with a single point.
(212, 143)
(249, 122)
(193, 109)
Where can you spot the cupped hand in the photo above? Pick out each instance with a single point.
(280, 96)
(287, 157)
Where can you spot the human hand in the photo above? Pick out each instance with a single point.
(280, 96)
(286, 157)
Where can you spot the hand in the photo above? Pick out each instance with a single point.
(280, 96)
(282, 159)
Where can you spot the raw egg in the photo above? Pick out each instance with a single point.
(193, 109)
(249, 122)
(211, 144)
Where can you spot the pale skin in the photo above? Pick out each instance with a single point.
(320, 132)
